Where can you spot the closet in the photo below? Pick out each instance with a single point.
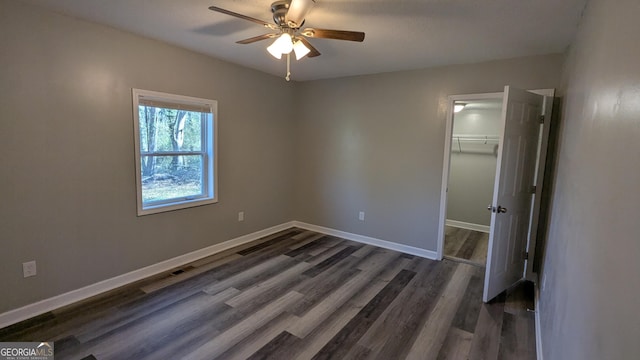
(518, 164)
(474, 152)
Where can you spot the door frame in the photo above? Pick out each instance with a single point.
(548, 94)
(547, 109)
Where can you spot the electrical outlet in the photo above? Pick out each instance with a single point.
(29, 268)
(241, 216)
(361, 216)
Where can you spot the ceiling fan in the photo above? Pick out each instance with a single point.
(288, 17)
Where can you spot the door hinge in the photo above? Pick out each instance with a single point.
(541, 119)
(525, 255)
(533, 189)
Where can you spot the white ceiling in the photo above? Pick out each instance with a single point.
(400, 34)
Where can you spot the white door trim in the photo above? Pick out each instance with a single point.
(542, 161)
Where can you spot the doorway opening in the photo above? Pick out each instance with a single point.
(474, 140)
(514, 207)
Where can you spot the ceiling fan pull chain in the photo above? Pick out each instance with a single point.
(288, 77)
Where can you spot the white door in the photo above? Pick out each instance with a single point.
(511, 207)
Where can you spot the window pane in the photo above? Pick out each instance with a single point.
(171, 177)
(175, 150)
(164, 129)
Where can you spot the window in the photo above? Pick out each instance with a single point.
(176, 157)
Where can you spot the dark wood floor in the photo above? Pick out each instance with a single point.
(467, 245)
(295, 295)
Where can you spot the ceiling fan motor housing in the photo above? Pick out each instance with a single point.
(279, 10)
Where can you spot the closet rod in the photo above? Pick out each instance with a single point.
(483, 138)
(494, 137)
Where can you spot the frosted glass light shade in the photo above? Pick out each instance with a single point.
(300, 49)
(282, 45)
(274, 51)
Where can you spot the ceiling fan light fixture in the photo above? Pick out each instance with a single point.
(300, 49)
(282, 45)
(289, 17)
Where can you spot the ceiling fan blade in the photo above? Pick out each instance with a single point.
(333, 34)
(298, 9)
(244, 17)
(313, 51)
(257, 38)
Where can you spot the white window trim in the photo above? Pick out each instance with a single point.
(210, 177)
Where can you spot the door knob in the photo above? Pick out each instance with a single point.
(501, 209)
(491, 208)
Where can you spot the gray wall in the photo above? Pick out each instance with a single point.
(67, 187)
(590, 288)
(375, 143)
(472, 169)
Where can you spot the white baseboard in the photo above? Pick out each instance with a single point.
(468, 226)
(43, 306)
(26, 312)
(369, 240)
(538, 328)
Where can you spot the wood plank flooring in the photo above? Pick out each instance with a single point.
(296, 294)
(468, 246)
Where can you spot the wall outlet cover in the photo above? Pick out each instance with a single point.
(29, 268)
